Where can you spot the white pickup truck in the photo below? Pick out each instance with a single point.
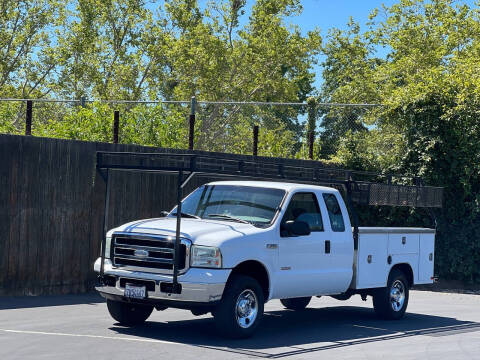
(244, 243)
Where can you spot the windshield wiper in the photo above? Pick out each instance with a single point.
(228, 217)
(186, 215)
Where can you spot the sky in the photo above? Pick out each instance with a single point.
(327, 14)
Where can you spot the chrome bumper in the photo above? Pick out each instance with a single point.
(201, 293)
(198, 285)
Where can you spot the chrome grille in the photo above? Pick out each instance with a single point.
(139, 251)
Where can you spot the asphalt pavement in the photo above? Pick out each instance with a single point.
(437, 326)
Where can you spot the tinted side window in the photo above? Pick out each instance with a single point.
(334, 212)
(304, 207)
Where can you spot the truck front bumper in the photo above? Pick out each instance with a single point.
(198, 286)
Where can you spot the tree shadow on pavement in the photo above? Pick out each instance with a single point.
(286, 333)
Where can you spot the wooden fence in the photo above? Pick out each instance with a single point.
(51, 210)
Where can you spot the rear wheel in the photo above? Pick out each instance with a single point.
(391, 302)
(296, 303)
(129, 314)
(241, 308)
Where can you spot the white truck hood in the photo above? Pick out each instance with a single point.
(199, 231)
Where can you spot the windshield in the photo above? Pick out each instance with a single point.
(255, 205)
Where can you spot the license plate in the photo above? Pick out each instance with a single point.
(136, 292)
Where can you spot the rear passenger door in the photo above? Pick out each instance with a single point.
(302, 267)
(340, 257)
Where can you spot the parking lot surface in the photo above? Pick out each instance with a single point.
(437, 326)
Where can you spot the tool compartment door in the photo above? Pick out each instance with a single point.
(371, 260)
(426, 258)
(400, 244)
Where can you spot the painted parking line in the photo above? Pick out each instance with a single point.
(371, 327)
(226, 349)
(92, 336)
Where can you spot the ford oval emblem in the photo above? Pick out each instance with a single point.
(141, 253)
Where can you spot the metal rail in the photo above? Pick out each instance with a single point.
(185, 102)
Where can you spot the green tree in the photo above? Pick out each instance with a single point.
(29, 56)
(429, 89)
(134, 50)
(208, 53)
(104, 50)
(348, 69)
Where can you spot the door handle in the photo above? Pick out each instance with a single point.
(327, 246)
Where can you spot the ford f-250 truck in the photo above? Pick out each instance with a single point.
(244, 243)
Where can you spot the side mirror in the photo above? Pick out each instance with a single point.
(164, 213)
(297, 228)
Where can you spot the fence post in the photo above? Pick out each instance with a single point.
(82, 101)
(312, 112)
(116, 120)
(191, 132)
(28, 118)
(255, 140)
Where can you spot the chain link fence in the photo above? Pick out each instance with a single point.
(301, 130)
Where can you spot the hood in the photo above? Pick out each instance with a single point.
(199, 231)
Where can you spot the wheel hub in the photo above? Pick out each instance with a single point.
(397, 295)
(246, 308)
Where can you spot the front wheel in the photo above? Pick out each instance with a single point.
(129, 314)
(241, 308)
(296, 303)
(391, 302)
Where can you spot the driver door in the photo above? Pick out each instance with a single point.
(302, 269)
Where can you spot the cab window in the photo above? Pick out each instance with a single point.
(334, 212)
(304, 207)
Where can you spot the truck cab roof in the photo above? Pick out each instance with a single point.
(276, 185)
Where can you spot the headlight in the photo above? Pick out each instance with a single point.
(206, 256)
(108, 241)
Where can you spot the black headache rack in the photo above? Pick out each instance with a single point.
(359, 187)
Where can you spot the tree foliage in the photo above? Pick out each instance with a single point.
(28, 58)
(135, 49)
(428, 84)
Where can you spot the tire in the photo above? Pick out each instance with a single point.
(241, 309)
(296, 303)
(129, 314)
(391, 302)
